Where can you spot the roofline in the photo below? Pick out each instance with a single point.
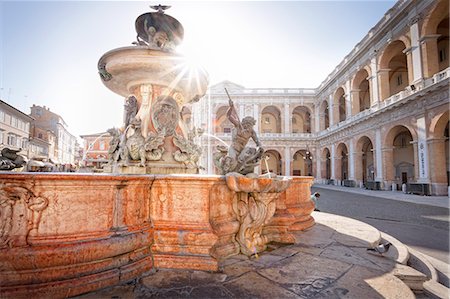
(14, 108)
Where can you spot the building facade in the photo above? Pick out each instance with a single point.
(14, 128)
(50, 127)
(95, 150)
(379, 120)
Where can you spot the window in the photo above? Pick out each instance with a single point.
(267, 120)
(102, 145)
(40, 135)
(14, 122)
(12, 140)
(1, 137)
(38, 112)
(399, 80)
(442, 55)
(294, 120)
(2, 116)
(24, 143)
(227, 130)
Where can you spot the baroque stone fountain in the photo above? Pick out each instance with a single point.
(66, 234)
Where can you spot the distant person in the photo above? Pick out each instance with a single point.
(315, 197)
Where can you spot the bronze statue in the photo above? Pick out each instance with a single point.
(239, 158)
(9, 159)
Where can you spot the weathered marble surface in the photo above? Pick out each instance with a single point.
(67, 234)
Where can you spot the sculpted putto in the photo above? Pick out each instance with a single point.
(239, 157)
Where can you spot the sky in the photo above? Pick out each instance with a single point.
(49, 50)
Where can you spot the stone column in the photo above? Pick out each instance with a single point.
(438, 164)
(355, 101)
(378, 160)
(333, 161)
(241, 110)
(256, 117)
(373, 82)
(287, 119)
(415, 51)
(383, 84)
(330, 110)
(287, 161)
(348, 100)
(316, 119)
(409, 63)
(318, 174)
(422, 151)
(351, 161)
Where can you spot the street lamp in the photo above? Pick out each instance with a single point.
(308, 160)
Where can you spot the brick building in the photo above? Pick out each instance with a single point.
(95, 150)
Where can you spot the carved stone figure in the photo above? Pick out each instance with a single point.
(15, 229)
(153, 146)
(189, 152)
(104, 75)
(114, 148)
(158, 31)
(134, 148)
(239, 158)
(131, 109)
(9, 159)
(144, 110)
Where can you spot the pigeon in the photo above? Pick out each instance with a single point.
(381, 248)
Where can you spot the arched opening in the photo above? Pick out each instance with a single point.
(399, 156)
(361, 92)
(394, 72)
(339, 105)
(434, 40)
(324, 116)
(271, 159)
(270, 120)
(439, 154)
(326, 164)
(364, 161)
(341, 162)
(302, 164)
(301, 120)
(221, 123)
(442, 44)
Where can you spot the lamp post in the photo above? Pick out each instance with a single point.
(308, 161)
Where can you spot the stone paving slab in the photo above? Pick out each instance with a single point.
(329, 260)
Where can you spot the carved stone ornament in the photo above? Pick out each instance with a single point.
(104, 75)
(138, 148)
(20, 214)
(189, 153)
(165, 115)
(254, 206)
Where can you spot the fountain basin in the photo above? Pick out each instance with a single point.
(67, 234)
(131, 67)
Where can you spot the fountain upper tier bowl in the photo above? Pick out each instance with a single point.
(124, 69)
